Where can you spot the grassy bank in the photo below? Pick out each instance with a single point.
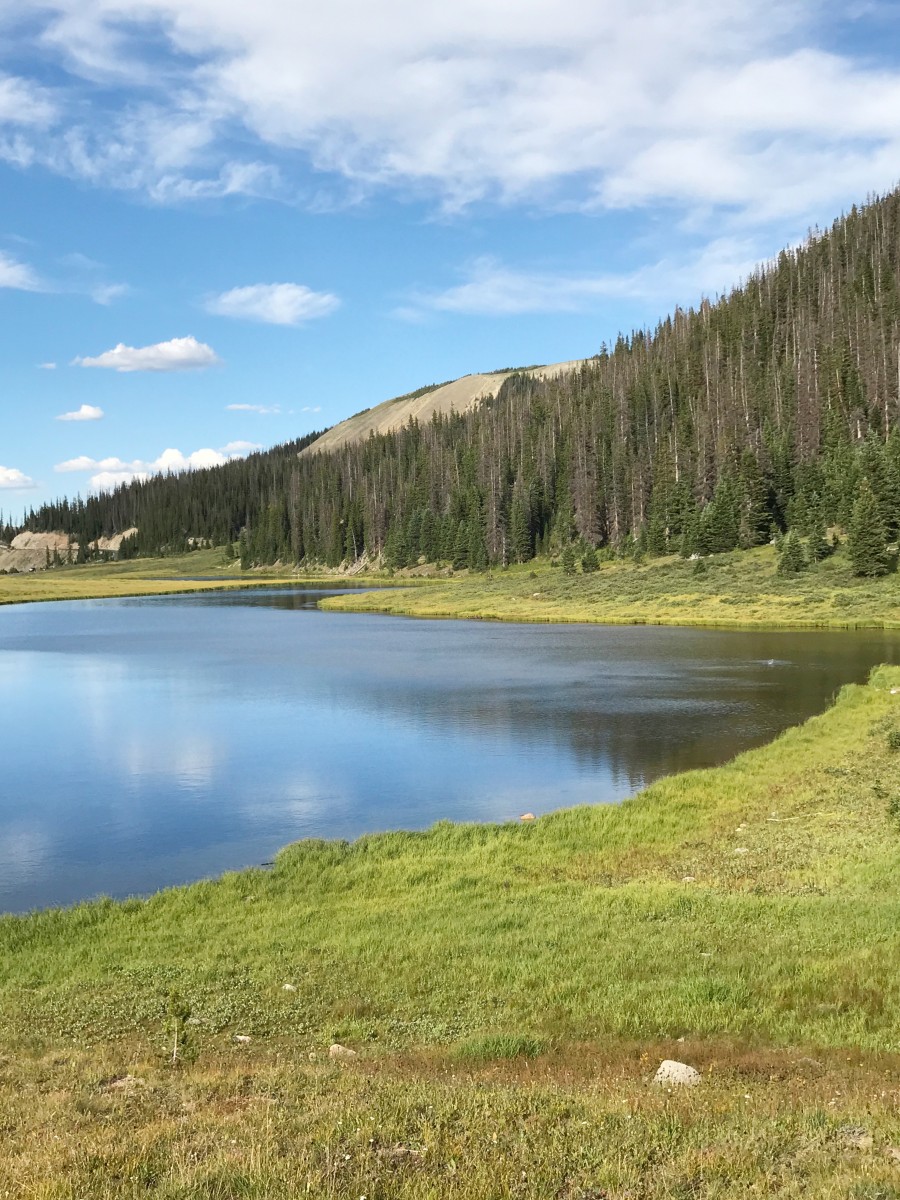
(508, 989)
(728, 590)
(152, 577)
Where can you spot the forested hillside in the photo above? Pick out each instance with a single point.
(766, 409)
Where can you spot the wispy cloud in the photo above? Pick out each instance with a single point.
(87, 412)
(19, 275)
(254, 408)
(47, 366)
(14, 480)
(692, 102)
(492, 289)
(106, 293)
(179, 354)
(24, 103)
(274, 303)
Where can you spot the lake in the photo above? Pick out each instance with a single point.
(150, 742)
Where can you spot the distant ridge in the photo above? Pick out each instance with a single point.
(458, 396)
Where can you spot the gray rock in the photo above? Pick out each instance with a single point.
(341, 1053)
(676, 1074)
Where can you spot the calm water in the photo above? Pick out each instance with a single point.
(149, 742)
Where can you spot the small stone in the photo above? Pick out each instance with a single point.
(742, 850)
(243, 1038)
(288, 987)
(676, 1074)
(527, 817)
(341, 1053)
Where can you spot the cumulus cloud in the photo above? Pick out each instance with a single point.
(596, 103)
(108, 473)
(491, 288)
(87, 412)
(254, 408)
(10, 478)
(179, 354)
(18, 275)
(274, 303)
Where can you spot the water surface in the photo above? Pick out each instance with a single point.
(152, 741)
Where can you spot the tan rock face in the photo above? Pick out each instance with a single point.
(28, 551)
(458, 396)
(41, 541)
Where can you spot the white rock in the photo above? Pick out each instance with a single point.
(342, 1053)
(242, 1038)
(288, 987)
(676, 1074)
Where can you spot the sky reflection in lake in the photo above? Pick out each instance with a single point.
(154, 741)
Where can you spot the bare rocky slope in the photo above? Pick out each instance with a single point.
(29, 551)
(458, 396)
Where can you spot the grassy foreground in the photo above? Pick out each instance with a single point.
(730, 590)
(509, 991)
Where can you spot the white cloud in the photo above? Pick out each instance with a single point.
(108, 473)
(14, 479)
(584, 102)
(493, 289)
(47, 366)
(87, 412)
(18, 275)
(179, 354)
(311, 408)
(254, 408)
(25, 103)
(274, 303)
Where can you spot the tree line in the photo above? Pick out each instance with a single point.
(766, 411)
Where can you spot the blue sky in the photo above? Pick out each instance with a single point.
(224, 225)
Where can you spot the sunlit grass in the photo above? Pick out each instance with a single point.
(732, 590)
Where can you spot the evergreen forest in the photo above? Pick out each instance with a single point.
(773, 410)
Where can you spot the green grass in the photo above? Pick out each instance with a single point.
(735, 590)
(509, 990)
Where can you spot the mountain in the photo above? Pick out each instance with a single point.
(762, 411)
(457, 396)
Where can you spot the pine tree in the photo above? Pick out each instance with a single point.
(792, 559)
(589, 561)
(867, 537)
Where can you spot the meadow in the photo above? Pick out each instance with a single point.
(736, 590)
(508, 990)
